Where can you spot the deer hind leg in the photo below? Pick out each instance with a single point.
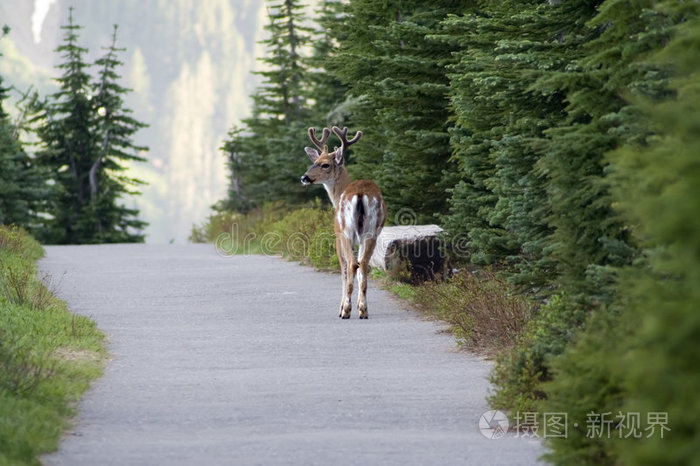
(365, 253)
(348, 267)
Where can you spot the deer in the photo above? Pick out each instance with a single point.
(359, 217)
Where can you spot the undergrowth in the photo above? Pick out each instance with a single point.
(484, 315)
(304, 234)
(48, 356)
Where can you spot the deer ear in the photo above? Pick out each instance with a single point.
(338, 156)
(312, 153)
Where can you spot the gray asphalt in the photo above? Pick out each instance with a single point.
(243, 360)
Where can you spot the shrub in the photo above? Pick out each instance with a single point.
(322, 254)
(306, 235)
(15, 281)
(484, 314)
(237, 233)
(520, 371)
(14, 240)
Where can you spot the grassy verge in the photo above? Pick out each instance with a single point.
(484, 315)
(304, 234)
(48, 356)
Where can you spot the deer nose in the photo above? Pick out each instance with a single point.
(306, 180)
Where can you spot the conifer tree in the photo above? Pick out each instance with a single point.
(389, 61)
(538, 97)
(500, 200)
(638, 355)
(107, 181)
(328, 92)
(22, 185)
(265, 155)
(589, 240)
(84, 140)
(68, 142)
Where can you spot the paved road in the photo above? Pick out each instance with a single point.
(243, 360)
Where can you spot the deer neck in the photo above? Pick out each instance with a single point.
(336, 186)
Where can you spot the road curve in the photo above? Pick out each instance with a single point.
(243, 360)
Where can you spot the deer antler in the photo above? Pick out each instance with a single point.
(319, 143)
(343, 136)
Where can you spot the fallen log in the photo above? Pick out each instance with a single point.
(412, 253)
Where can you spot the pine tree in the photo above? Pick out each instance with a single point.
(265, 154)
(68, 144)
(662, 198)
(282, 94)
(589, 239)
(116, 128)
(638, 355)
(398, 73)
(84, 139)
(327, 91)
(584, 64)
(22, 186)
(535, 109)
(501, 117)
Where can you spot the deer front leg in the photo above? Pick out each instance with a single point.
(365, 253)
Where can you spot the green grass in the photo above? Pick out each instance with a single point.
(48, 356)
(303, 234)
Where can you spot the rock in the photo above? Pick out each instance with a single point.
(410, 253)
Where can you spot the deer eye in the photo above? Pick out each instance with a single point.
(325, 166)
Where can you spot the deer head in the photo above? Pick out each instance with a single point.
(327, 167)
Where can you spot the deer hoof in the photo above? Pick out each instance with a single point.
(345, 308)
(362, 310)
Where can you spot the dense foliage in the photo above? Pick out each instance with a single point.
(22, 188)
(637, 355)
(304, 234)
(559, 139)
(72, 189)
